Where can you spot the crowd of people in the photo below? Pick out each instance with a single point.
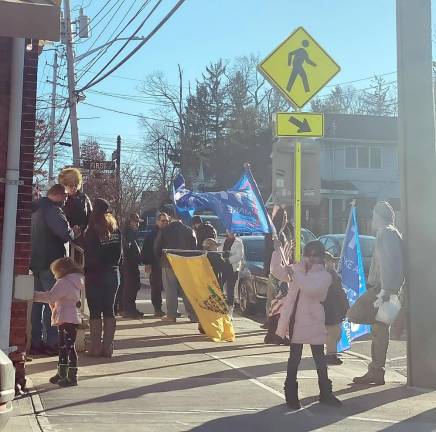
(306, 303)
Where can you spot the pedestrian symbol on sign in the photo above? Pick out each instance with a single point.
(296, 60)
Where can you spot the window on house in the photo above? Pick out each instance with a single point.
(376, 158)
(351, 157)
(363, 157)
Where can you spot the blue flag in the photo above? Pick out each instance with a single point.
(240, 208)
(353, 280)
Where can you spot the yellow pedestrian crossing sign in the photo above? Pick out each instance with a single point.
(299, 67)
(299, 124)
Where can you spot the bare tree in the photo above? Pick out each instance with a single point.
(161, 146)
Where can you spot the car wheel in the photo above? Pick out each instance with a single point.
(247, 308)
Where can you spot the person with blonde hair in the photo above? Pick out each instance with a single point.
(77, 206)
(64, 301)
(102, 246)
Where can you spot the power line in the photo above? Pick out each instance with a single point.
(98, 56)
(127, 42)
(95, 81)
(108, 23)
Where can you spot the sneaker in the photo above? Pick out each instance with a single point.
(168, 319)
(159, 314)
(178, 315)
(370, 378)
(333, 359)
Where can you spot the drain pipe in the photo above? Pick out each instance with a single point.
(11, 190)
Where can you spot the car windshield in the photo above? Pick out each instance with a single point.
(366, 245)
(254, 249)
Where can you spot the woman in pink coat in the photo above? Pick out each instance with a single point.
(302, 318)
(64, 301)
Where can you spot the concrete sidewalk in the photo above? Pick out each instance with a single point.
(170, 378)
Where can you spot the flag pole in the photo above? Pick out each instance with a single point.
(352, 206)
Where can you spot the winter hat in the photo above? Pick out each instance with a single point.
(196, 220)
(101, 205)
(385, 211)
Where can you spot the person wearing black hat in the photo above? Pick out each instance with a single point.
(203, 230)
(102, 248)
(131, 282)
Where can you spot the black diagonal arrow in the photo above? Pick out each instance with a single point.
(303, 126)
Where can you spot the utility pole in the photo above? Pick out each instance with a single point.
(118, 174)
(418, 183)
(53, 117)
(72, 97)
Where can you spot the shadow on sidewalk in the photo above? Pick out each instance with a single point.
(317, 416)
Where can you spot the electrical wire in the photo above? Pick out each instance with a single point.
(96, 80)
(90, 64)
(104, 29)
(128, 40)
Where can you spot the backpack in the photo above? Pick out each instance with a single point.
(336, 304)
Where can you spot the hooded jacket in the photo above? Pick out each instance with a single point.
(50, 232)
(309, 327)
(63, 299)
(387, 265)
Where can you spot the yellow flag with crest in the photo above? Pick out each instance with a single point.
(198, 281)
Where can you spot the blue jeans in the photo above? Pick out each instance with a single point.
(41, 313)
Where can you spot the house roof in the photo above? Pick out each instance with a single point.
(32, 19)
(361, 127)
(338, 185)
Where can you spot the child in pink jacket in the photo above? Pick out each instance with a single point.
(302, 318)
(64, 301)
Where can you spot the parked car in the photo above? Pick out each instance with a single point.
(333, 244)
(252, 285)
(7, 388)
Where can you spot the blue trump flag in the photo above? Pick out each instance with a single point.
(353, 280)
(240, 208)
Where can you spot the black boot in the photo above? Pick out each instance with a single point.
(71, 378)
(291, 395)
(60, 375)
(326, 395)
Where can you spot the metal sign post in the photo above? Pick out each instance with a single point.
(297, 200)
(299, 68)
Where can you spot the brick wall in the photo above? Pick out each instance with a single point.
(22, 244)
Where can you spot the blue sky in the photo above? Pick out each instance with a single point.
(359, 35)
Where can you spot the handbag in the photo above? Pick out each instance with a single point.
(389, 310)
(363, 310)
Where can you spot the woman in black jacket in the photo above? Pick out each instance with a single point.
(102, 246)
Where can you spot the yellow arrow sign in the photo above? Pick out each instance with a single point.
(299, 124)
(299, 68)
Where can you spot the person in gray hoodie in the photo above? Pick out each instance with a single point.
(386, 277)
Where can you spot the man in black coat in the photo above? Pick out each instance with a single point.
(203, 230)
(131, 283)
(50, 232)
(152, 264)
(174, 236)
